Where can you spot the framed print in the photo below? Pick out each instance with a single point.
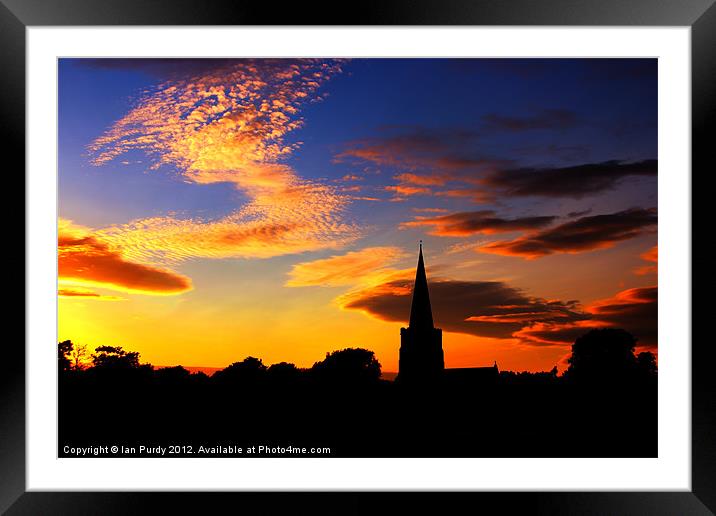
(399, 252)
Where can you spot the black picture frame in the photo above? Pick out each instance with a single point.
(699, 15)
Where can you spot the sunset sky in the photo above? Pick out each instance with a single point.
(216, 209)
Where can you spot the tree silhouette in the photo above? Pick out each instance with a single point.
(172, 375)
(283, 373)
(249, 370)
(351, 365)
(64, 350)
(114, 357)
(647, 363)
(602, 355)
(79, 355)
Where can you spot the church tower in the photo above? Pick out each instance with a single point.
(421, 344)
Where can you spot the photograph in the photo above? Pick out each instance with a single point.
(357, 257)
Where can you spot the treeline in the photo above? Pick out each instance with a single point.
(600, 356)
(351, 366)
(604, 404)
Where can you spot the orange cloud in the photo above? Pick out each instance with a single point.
(408, 190)
(424, 180)
(86, 294)
(355, 188)
(85, 258)
(652, 255)
(477, 195)
(516, 317)
(352, 268)
(430, 210)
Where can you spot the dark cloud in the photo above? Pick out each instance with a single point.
(546, 119)
(634, 310)
(496, 310)
(424, 158)
(432, 158)
(165, 68)
(574, 181)
(421, 148)
(583, 234)
(482, 308)
(482, 221)
(575, 214)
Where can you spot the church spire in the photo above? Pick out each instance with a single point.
(421, 358)
(421, 314)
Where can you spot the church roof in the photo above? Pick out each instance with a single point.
(467, 374)
(421, 314)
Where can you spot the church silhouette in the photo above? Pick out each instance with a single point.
(422, 360)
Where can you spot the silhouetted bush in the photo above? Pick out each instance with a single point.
(283, 373)
(602, 355)
(529, 378)
(64, 349)
(172, 375)
(347, 366)
(249, 370)
(114, 357)
(647, 363)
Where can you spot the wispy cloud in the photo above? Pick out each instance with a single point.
(256, 231)
(229, 125)
(407, 190)
(431, 210)
(423, 158)
(83, 293)
(356, 267)
(651, 256)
